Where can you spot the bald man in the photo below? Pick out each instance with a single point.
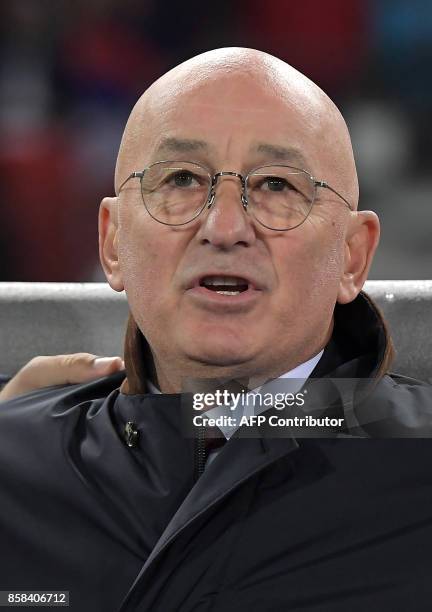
(236, 236)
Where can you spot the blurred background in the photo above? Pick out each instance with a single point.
(71, 71)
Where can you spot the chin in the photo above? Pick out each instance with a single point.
(218, 354)
(222, 345)
(218, 360)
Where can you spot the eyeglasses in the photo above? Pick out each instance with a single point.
(279, 197)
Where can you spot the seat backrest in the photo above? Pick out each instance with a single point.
(54, 318)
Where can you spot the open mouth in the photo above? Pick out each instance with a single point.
(225, 285)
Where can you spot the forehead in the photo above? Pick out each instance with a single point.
(231, 115)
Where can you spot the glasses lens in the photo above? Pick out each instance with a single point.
(175, 192)
(280, 197)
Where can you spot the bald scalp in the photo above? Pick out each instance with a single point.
(224, 68)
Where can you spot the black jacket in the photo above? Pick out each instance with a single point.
(341, 524)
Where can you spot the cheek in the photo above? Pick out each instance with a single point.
(150, 255)
(145, 269)
(310, 266)
(139, 260)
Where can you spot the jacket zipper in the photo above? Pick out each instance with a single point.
(200, 453)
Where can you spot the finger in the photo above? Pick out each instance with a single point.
(83, 367)
(104, 366)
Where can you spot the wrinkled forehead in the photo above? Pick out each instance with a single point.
(240, 106)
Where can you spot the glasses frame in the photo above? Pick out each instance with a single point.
(211, 195)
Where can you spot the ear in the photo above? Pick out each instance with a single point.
(108, 242)
(360, 244)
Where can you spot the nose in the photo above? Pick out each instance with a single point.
(225, 222)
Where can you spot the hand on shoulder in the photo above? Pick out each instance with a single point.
(47, 371)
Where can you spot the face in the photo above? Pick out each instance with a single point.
(292, 278)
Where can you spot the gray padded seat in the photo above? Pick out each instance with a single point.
(53, 318)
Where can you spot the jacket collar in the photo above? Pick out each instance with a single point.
(361, 346)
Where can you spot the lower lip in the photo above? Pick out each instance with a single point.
(209, 298)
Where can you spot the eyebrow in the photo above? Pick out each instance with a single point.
(181, 145)
(190, 145)
(280, 153)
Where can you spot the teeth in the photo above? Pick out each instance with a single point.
(224, 280)
(228, 292)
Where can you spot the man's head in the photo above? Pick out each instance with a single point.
(234, 110)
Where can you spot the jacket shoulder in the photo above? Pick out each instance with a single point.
(43, 413)
(399, 406)
(402, 379)
(39, 430)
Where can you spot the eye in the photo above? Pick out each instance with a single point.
(275, 183)
(183, 179)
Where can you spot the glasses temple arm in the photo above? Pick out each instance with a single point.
(327, 186)
(132, 175)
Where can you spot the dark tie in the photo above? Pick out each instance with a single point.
(214, 438)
